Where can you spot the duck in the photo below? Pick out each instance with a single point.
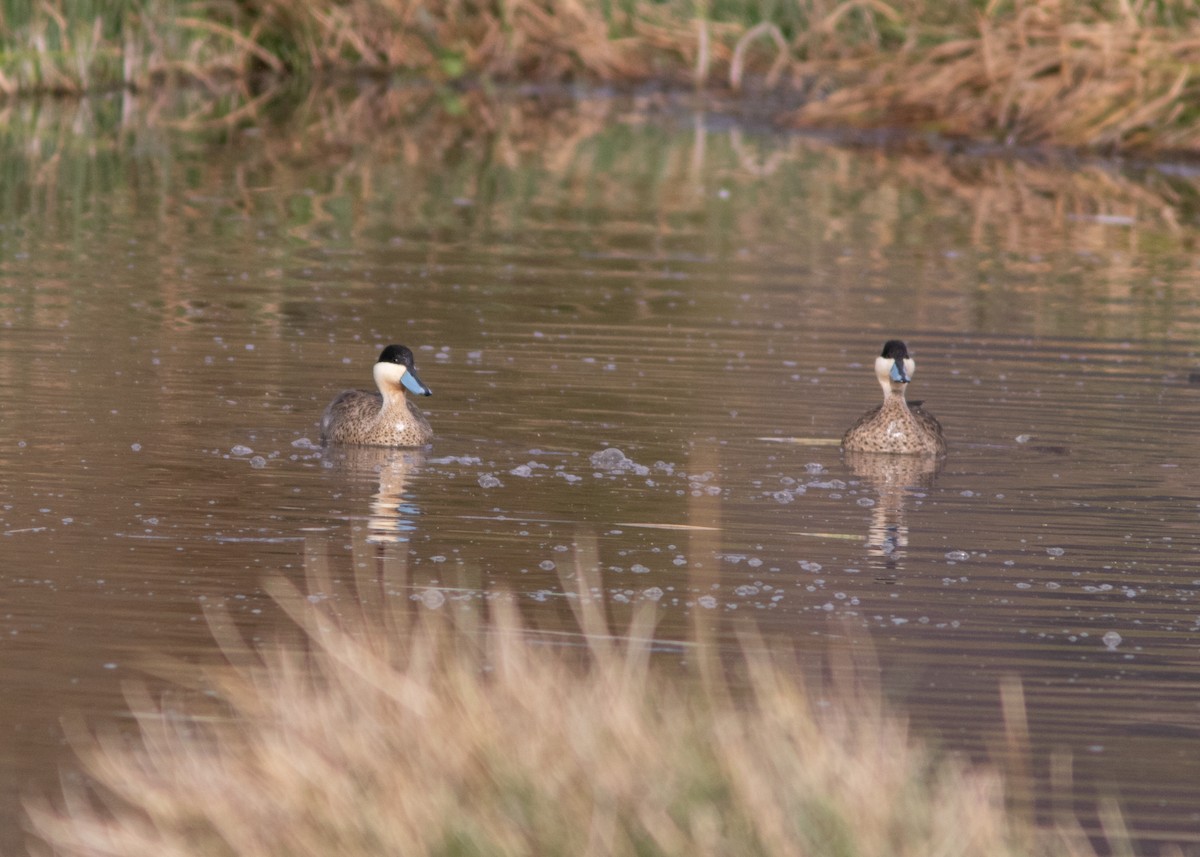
(385, 418)
(896, 426)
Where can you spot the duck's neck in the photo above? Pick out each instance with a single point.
(393, 393)
(393, 400)
(893, 394)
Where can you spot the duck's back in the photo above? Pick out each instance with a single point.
(931, 426)
(345, 419)
(860, 436)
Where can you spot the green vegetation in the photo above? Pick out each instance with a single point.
(1089, 73)
(382, 734)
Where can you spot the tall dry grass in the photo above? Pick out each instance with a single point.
(86, 45)
(382, 735)
(1114, 73)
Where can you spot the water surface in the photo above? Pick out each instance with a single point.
(645, 329)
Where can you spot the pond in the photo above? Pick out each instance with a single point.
(645, 328)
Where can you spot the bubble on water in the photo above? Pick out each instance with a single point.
(1111, 640)
(754, 562)
(783, 496)
(240, 449)
(638, 568)
(432, 598)
(522, 470)
(465, 460)
(746, 590)
(708, 602)
(957, 556)
(489, 480)
(654, 593)
(570, 477)
(610, 458)
(547, 565)
(258, 462)
(814, 467)
(614, 460)
(1023, 438)
(865, 502)
(304, 443)
(1055, 551)
(810, 566)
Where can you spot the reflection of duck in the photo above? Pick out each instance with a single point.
(385, 418)
(393, 509)
(895, 426)
(892, 477)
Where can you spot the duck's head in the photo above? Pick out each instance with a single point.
(395, 369)
(893, 367)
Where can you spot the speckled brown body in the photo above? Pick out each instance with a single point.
(361, 417)
(896, 427)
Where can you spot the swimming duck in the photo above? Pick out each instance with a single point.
(385, 418)
(895, 426)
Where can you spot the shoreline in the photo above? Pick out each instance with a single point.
(1118, 81)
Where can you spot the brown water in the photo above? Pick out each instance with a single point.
(178, 303)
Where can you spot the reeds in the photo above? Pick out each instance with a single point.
(1028, 73)
(139, 44)
(390, 737)
(1116, 74)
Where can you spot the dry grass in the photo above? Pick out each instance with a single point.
(1057, 73)
(144, 44)
(1115, 74)
(383, 735)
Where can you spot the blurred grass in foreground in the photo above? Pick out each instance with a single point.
(1115, 74)
(385, 734)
